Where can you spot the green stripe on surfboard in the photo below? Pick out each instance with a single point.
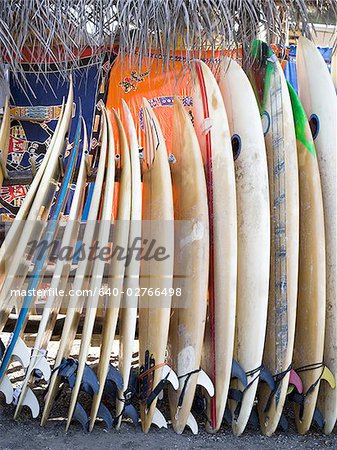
(262, 54)
(301, 121)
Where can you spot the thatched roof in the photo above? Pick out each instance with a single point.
(62, 29)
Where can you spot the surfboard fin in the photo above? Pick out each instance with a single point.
(283, 423)
(21, 353)
(267, 377)
(295, 382)
(318, 418)
(81, 416)
(205, 381)
(328, 376)
(129, 409)
(67, 371)
(239, 373)
(110, 390)
(170, 376)
(42, 368)
(90, 383)
(167, 376)
(158, 419)
(104, 414)
(7, 389)
(199, 404)
(254, 419)
(227, 416)
(115, 376)
(131, 412)
(30, 400)
(192, 424)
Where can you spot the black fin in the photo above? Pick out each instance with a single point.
(267, 377)
(227, 417)
(239, 373)
(110, 390)
(318, 418)
(131, 412)
(115, 376)
(105, 415)
(90, 383)
(81, 416)
(254, 419)
(283, 423)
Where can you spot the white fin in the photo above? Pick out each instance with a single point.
(30, 400)
(21, 353)
(7, 389)
(205, 381)
(158, 419)
(192, 423)
(171, 376)
(43, 366)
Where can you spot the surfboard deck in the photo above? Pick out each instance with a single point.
(120, 239)
(311, 300)
(97, 274)
(81, 279)
(252, 194)
(277, 118)
(128, 312)
(320, 107)
(191, 264)
(154, 312)
(213, 134)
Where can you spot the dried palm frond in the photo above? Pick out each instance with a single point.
(60, 30)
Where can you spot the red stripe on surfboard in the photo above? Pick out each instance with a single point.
(209, 181)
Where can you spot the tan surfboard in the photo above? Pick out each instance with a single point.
(311, 300)
(321, 110)
(128, 312)
(191, 266)
(120, 239)
(81, 281)
(213, 133)
(97, 274)
(278, 125)
(16, 270)
(58, 283)
(252, 194)
(156, 278)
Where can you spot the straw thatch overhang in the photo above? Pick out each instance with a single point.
(61, 30)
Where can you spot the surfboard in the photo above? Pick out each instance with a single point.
(320, 107)
(128, 312)
(97, 274)
(38, 357)
(252, 194)
(19, 265)
(311, 300)
(211, 125)
(156, 275)
(4, 140)
(32, 229)
(191, 264)
(117, 268)
(277, 118)
(81, 280)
